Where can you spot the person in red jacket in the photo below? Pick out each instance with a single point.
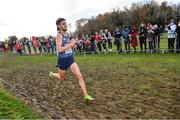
(35, 44)
(97, 38)
(18, 47)
(5, 47)
(134, 41)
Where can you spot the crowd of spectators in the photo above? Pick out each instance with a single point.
(146, 36)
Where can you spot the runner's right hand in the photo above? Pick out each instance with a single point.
(73, 41)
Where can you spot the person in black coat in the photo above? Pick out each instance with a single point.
(118, 42)
(178, 38)
(157, 35)
(143, 36)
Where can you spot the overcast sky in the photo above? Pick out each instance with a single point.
(37, 17)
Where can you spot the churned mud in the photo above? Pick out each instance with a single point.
(121, 90)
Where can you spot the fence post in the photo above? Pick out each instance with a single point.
(163, 51)
(84, 54)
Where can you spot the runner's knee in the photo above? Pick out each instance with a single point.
(79, 76)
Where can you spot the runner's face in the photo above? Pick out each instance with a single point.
(63, 26)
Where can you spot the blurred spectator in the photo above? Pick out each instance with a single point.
(143, 36)
(171, 35)
(134, 41)
(109, 38)
(178, 38)
(35, 44)
(86, 43)
(28, 44)
(1, 47)
(151, 37)
(48, 45)
(12, 44)
(157, 35)
(23, 40)
(43, 43)
(126, 37)
(79, 45)
(98, 41)
(5, 47)
(118, 41)
(18, 47)
(93, 46)
(103, 39)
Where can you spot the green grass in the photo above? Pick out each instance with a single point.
(12, 108)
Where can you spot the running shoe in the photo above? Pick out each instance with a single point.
(50, 74)
(88, 98)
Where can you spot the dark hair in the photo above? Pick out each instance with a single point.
(58, 21)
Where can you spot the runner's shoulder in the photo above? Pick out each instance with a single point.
(59, 35)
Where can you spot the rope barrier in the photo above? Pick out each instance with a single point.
(22, 93)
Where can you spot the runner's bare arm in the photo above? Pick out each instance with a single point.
(75, 43)
(59, 43)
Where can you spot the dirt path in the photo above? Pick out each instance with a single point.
(119, 94)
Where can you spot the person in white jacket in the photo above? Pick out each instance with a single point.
(171, 35)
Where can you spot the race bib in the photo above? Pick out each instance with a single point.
(68, 51)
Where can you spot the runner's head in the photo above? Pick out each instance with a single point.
(61, 24)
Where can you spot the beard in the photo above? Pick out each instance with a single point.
(64, 29)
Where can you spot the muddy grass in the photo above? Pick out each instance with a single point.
(124, 86)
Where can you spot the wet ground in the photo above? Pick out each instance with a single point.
(124, 87)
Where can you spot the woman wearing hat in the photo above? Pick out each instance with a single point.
(133, 35)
